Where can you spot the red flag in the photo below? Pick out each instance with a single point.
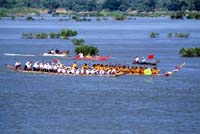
(151, 56)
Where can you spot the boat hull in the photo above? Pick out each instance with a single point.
(11, 67)
(56, 55)
(146, 63)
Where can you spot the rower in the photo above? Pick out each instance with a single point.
(77, 72)
(84, 66)
(88, 56)
(17, 65)
(136, 60)
(29, 66)
(26, 65)
(36, 66)
(155, 71)
(74, 65)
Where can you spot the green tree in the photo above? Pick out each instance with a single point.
(197, 5)
(150, 5)
(112, 5)
(86, 49)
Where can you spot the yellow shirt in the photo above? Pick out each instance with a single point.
(75, 66)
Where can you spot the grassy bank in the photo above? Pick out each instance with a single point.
(17, 12)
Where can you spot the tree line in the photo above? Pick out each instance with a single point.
(111, 5)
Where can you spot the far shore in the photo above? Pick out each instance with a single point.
(20, 12)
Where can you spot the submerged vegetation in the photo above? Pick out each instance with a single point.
(77, 18)
(64, 34)
(177, 15)
(182, 35)
(119, 16)
(193, 15)
(171, 35)
(78, 41)
(154, 35)
(190, 52)
(86, 49)
(29, 18)
(178, 35)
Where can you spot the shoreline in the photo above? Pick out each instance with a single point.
(118, 15)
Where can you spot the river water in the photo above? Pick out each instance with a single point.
(44, 104)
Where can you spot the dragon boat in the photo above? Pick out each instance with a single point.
(147, 72)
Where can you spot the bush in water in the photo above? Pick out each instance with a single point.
(190, 52)
(78, 41)
(86, 49)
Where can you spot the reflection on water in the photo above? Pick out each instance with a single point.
(149, 80)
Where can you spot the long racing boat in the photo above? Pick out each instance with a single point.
(147, 72)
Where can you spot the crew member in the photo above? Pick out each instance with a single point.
(136, 60)
(74, 65)
(143, 60)
(17, 65)
(88, 56)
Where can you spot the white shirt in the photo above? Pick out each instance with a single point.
(81, 55)
(143, 60)
(17, 63)
(137, 59)
(36, 65)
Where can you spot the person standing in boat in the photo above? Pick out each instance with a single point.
(80, 55)
(17, 65)
(143, 60)
(136, 59)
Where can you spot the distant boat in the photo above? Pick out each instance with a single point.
(57, 54)
(92, 58)
(147, 63)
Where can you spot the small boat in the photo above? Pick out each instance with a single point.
(147, 63)
(92, 58)
(55, 54)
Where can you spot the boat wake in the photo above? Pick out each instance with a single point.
(13, 54)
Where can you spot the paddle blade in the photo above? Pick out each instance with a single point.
(151, 56)
(56, 60)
